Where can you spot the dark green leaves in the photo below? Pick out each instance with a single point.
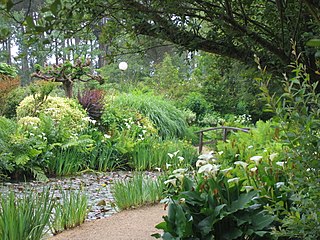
(313, 43)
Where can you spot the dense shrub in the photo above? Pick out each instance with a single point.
(13, 100)
(7, 84)
(197, 103)
(62, 110)
(297, 113)
(92, 102)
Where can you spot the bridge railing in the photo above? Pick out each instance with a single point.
(225, 131)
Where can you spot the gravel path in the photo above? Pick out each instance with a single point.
(137, 224)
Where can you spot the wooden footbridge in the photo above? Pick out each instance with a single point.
(224, 130)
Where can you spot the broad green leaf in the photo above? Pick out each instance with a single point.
(206, 225)
(232, 234)
(156, 235)
(168, 236)
(54, 7)
(261, 220)
(22, 160)
(29, 21)
(313, 43)
(242, 201)
(180, 221)
(218, 209)
(162, 225)
(260, 233)
(34, 152)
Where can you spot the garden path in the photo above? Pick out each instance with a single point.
(136, 224)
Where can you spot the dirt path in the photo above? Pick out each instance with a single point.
(137, 224)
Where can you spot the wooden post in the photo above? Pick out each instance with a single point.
(200, 142)
(225, 132)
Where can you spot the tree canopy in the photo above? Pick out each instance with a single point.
(238, 29)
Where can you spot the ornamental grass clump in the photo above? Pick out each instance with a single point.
(136, 191)
(168, 120)
(25, 218)
(154, 153)
(69, 211)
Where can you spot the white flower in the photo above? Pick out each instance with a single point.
(281, 164)
(201, 163)
(249, 147)
(158, 169)
(248, 188)
(127, 125)
(241, 163)
(236, 180)
(220, 153)
(168, 165)
(256, 159)
(209, 168)
(107, 136)
(171, 181)
(226, 170)
(180, 170)
(182, 200)
(272, 156)
(205, 168)
(279, 184)
(254, 169)
(237, 155)
(175, 153)
(144, 131)
(170, 155)
(207, 156)
(181, 158)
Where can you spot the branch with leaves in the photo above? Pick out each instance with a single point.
(67, 73)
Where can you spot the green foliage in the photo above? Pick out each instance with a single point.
(297, 112)
(7, 128)
(153, 153)
(137, 191)
(216, 203)
(8, 70)
(26, 217)
(104, 156)
(69, 211)
(229, 86)
(65, 161)
(167, 119)
(197, 104)
(7, 84)
(261, 140)
(64, 111)
(67, 73)
(13, 99)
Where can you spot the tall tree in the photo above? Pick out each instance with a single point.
(233, 28)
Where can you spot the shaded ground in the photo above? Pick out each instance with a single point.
(137, 224)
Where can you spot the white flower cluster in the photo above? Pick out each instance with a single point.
(243, 119)
(206, 164)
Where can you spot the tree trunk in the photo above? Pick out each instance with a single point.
(68, 85)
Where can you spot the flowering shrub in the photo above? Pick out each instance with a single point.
(62, 110)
